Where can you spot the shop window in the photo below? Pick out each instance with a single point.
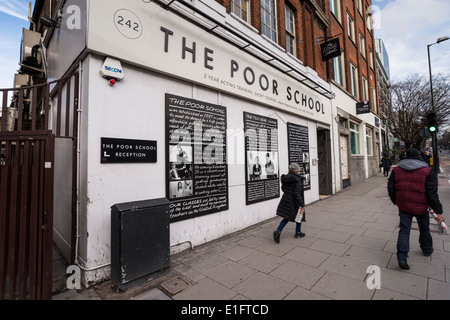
(369, 142)
(354, 138)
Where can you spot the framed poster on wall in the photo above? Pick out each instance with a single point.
(261, 161)
(298, 149)
(197, 172)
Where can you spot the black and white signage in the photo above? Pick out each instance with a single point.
(180, 49)
(330, 49)
(197, 172)
(261, 148)
(298, 148)
(113, 150)
(363, 107)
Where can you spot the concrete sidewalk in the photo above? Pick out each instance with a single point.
(345, 234)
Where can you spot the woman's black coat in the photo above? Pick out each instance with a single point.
(292, 199)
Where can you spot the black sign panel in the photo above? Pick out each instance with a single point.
(330, 49)
(298, 148)
(197, 172)
(363, 107)
(261, 148)
(113, 150)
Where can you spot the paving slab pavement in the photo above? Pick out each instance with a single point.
(345, 235)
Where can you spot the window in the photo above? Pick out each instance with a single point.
(369, 142)
(241, 9)
(371, 58)
(290, 31)
(369, 20)
(343, 123)
(335, 6)
(268, 20)
(354, 138)
(362, 45)
(338, 64)
(351, 27)
(365, 88)
(374, 99)
(359, 5)
(354, 80)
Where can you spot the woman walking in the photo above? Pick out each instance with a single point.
(291, 202)
(386, 164)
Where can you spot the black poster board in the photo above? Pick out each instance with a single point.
(298, 149)
(197, 172)
(261, 162)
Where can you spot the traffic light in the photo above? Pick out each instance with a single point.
(432, 122)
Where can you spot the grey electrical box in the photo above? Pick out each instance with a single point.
(140, 240)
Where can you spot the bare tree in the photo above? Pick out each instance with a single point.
(411, 102)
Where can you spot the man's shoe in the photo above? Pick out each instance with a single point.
(299, 235)
(276, 236)
(403, 265)
(428, 253)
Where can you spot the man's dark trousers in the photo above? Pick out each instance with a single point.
(425, 239)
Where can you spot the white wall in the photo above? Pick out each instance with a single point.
(134, 108)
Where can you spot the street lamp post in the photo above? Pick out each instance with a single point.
(434, 134)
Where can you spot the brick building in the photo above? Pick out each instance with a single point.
(218, 86)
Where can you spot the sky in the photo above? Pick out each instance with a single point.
(13, 17)
(406, 27)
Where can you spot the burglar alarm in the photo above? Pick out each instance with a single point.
(112, 70)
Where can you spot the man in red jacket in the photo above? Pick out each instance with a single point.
(413, 187)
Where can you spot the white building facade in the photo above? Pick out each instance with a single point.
(204, 91)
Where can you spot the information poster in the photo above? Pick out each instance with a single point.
(261, 147)
(197, 172)
(298, 148)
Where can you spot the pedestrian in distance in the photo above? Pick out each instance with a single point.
(413, 187)
(386, 164)
(291, 202)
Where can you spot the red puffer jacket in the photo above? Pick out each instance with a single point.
(412, 186)
(410, 190)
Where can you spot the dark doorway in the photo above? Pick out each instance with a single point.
(324, 161)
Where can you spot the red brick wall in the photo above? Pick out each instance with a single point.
(310, 29)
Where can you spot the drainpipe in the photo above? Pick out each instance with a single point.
(78, 205)
(30, 19)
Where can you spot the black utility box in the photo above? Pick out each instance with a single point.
(140, 240)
